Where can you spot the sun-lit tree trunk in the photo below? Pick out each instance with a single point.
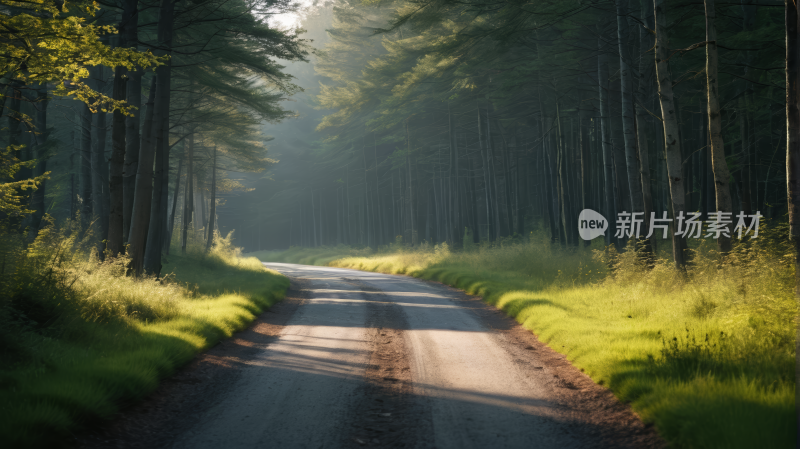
(719, 165)
(670, 123)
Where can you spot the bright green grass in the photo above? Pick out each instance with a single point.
(111, 339)
(643, 332)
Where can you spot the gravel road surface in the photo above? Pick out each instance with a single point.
(358, 359)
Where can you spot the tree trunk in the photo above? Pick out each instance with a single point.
(116, 167)
(379, 226)
(213, 212)
(672, 142)
(641, 135)
(456, 231)
(86, 167)
(608, 159)
(188, 195)
(129, 29)
(313, 217)
(99, 168)
(143, 195)
(719, 165)
(628, 119)
(747, 205)
(152, 257)
(175, 195)
(413, 238)
(563, 192)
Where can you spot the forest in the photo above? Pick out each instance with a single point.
(502, 120)
(148, 144)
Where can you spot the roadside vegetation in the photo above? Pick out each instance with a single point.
(79, 339)
(707, 356)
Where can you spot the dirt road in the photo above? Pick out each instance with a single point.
(356, 359)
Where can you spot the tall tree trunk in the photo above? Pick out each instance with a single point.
(747, 205)
(100, 168)
(118, 142)
(608, 159)
(175, 195)
(495, 198)
(133, 95)
(213, 212)
(473, 203)
(379, 226)
(453, 184)
(720, 166)
(313, 217)
(86, 167)
(143, 195)
(641, 121)
(672, 142)
(368, 225)
(628, 118)
(410, 189)
(188, 195)
(152, 258)
(550, 194)
(585, 178)
(563, 192)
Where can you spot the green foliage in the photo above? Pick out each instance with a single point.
(79, 339)
(44, 41)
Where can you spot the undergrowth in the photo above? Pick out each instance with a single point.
(707, 355)
(79, 339)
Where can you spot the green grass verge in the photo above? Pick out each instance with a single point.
(707, 357)
(108, 340)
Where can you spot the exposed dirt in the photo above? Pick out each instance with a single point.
(387, 415)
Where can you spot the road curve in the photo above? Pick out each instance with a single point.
(375, 360)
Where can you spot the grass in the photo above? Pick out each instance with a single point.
(79, 340)
(707, 356)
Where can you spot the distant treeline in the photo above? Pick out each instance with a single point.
(490, 117)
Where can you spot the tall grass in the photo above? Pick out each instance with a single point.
(78, 339)
(707, 355)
